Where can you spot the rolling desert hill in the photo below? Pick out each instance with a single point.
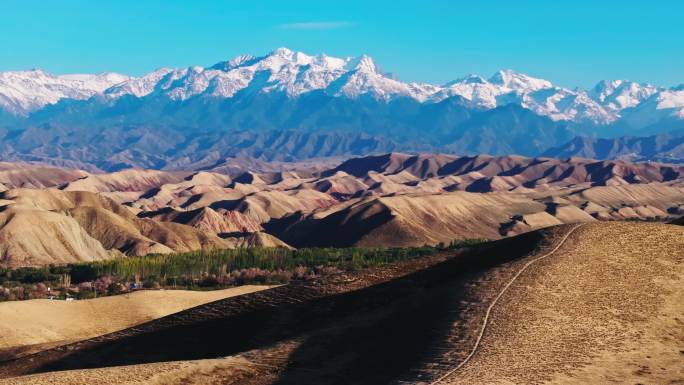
(572, 304)
(413, 220)
(34, 324)
(393, 199)
(206, 218)
(32, 237)
(46, 226)
(125, 180)
(32, 175)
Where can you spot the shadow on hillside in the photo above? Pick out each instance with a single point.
(369, 336)
(391, 342)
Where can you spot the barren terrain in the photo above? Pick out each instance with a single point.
(51, 215)
(604, 307)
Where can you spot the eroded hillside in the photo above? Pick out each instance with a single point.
(53, 215)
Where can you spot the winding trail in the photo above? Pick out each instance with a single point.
(496, 299)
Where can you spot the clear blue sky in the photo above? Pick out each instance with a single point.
(572, 43)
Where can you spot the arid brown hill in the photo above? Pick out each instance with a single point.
(393, 199)
(46, 226)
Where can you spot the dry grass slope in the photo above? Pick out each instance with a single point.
(607, 308)
(40, 322)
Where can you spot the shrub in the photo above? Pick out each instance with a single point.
(114, 288)
(82, 273)
(85, 294)
(469, 242)
(102, 283)
(299, 272)
(17, 293)
(214, 268)
(41, 289)
(209, 281)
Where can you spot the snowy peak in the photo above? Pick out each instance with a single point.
(288, 71)
(24, 91)
(364, 63)
(282, 52)
(662, 105)
(238, 61)
(468, 79)
(605, 88)
(617, 95)
(96, 82)
(538, 95)
(518, 81)
(672, 99)
(138, 87)
(286, 57)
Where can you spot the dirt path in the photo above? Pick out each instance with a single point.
(496, 299)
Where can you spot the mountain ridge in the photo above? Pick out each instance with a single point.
(290, 106)
(665, 147)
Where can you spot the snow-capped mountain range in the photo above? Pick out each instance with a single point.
(288, 105)
(295, 74)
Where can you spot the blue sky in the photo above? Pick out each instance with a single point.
(572, 43)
